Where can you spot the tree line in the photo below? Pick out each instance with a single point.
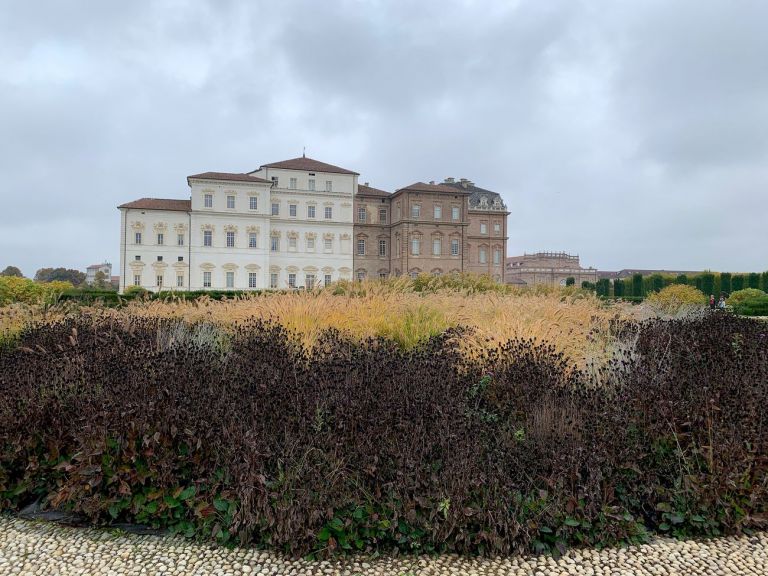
(710, 283)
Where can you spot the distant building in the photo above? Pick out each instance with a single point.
(93, 269)
(550, 268)
(302, 222)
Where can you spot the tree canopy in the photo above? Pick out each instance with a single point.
(12, 271)
(75, 277)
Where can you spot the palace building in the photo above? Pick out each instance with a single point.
(305, 223)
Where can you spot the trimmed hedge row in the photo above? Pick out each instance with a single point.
(360, 445)
(112, 298)
(753, 307)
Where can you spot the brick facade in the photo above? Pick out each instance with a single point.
(429, 228)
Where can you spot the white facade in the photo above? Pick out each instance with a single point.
(91, 271)
(230, 237)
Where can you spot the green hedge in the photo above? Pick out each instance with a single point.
(753, 307)
(111, 298)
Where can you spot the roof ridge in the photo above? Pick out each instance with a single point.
(309, 164)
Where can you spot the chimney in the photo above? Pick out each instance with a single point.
(365, 183)
(449, 180)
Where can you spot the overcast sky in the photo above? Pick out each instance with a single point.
(632, 133)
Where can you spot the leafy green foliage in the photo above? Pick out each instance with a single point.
(74, 277)
(638, 288)
(725, 283)
(707, 283)
(12, 271)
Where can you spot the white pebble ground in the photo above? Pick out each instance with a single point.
(46, 549)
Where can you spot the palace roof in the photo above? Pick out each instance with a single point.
(365, 190)
(309, 165)
(159, 204)
(229, 176)
(423, 187)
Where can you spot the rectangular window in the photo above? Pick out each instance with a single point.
(415, 246)
(497, 257)
(483, 258)
(310, 211)
(206, 279)
(292, 243)
(309, 281)
(159, 281)
(137, 279)
(416, 211)
(454, 247)
(454, 212)
(361, 247)
(159, 258)
(438, 212)
(382, 275)
(275, 181)
(275, 209)
(328, 244)
(253, 279)
(230, 279)
(483, 228)
(436, 246)
(292, 280)
(180, 239)
(253, 203)
(382, 247)
(230, 239)
(361, 214)
(361, 276)
(327, 280)
(252, 240)
(273, 280)
(329, 185)
(382, 216)
(310, 243)
(274, 245)
(208, 200)
(137, 238)
(180, 259)
(292, 184)
(496, 227)
(230, 202)
(137, 258)
(207, 238)
(328, 212)
(311, 184)
(160, 239)
(292, 210)
(398, 210)
(180, 280)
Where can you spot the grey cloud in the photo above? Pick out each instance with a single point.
(631, 133)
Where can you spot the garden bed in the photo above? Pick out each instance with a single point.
(248, 435)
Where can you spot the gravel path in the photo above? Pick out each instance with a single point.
(47, 549)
